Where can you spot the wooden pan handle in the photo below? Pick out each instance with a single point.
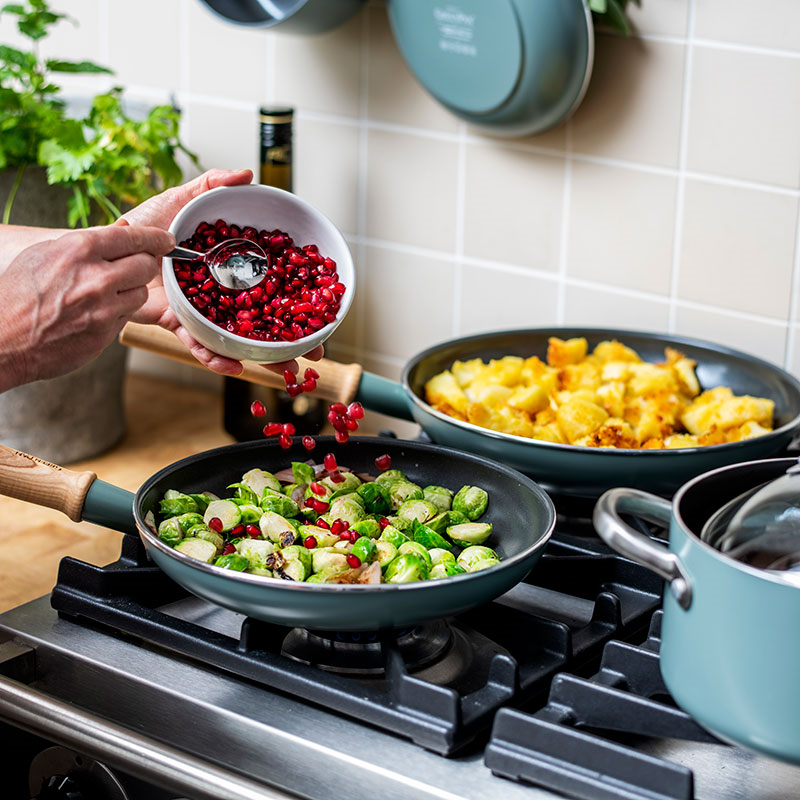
(36, 481)
(337, 382)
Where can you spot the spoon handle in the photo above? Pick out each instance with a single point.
(183, 252)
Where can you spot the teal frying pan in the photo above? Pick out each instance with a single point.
(560, 468)
(521, 513)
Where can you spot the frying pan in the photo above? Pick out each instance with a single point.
(521, 513)
(560, 468)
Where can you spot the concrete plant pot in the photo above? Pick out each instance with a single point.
(78, 415)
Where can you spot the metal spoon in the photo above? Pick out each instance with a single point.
(234, 263)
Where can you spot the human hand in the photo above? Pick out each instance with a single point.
(160, 211)
(67, 299)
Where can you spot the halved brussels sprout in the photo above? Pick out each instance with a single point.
(385, 552)
(242, 492)
(350, 483)
(471, 501)
(202, 532)
(375, 497)
(392, 535)
(176, 503)
(471, 555)
(226, 511)
(364, 548)
(390, 475)
(170, 532)
(400, 523)
(260, 479)
(400, 491)
(277, 528)
(428, 538)
(483, 563)
(445, 569)
(441, 556)
(302, 473)
(250, 514)
(417, 510)
(232, 561)
(441, 497)
(199, 549)
(323, 536)
(297, 563)
(203, 499)
(469, 533)
(255, 551)
(326, 559)
(280, 504)
(419, 549)
(347, 508)
(406, 568)
(368, 527)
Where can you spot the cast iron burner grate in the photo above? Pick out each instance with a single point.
(571, 744)
(578, 597)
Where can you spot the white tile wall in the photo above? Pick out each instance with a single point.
(668, 202)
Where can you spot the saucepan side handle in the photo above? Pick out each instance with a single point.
(635, 545)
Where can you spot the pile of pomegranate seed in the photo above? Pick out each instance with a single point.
(345, 419)
(284, 432)
(300, 294)
(308, 384)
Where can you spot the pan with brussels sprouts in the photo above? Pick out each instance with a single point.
(309, 524)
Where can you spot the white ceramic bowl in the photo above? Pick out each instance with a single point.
(262, 207)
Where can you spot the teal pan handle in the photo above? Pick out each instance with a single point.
(383, 395)
(110, 506)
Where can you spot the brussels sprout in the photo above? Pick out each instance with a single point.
(400, 523)
(176, 503)
(202, 532)
(170, 532)
(242, 492)
(323, 536)
(441, 497)
(394, 536)
(277, 528)
(400, 491)
(326, 559)
(198, 549)
(418, 549)
(390, 475)
(202, 500)
(441, 521)
(314, 578)
(475, 553)
(260, 479)
(226, 511)
(350, 483)
(280, 504)
(483, 563)
(297, 564)
(364, 548)
(470, 533)
(406, 568)
(250, 514)
(417, 510)
(375, 497)
(428, 538)
(187, 521)
(368, 527)
(441, 556)
(325, 496)
(255, 551)
(302, 473)
(232, 561)
(445, 569)
(384, 552)
(471, 501)
(262, 571)
(347, 508)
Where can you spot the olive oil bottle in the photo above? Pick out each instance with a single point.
(306, 413)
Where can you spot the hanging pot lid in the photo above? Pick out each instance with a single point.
(294, 16)
(515, 67)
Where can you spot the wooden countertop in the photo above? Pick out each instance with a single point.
(182, 420)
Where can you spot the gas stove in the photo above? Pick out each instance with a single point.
(121, 686)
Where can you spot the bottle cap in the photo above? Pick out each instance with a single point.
(276, 114)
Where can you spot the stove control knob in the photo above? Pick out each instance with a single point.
(61, 787)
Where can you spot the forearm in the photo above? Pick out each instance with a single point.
(12, 361)
(15, 238)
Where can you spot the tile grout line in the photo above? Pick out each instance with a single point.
(789, 351)
(680, 195)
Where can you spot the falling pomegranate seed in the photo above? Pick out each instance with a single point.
(340, 409)
(252, 530)
(311, 373)
(329, 462)
(294, 389)
(289, 429)
(289, 377)
(285, 441)
(215, 523)
(308, 385)
(257, 408)
(383, 462)
(341, 437)
(318, 489)
(353, 561)
(355, 411)
(273, 429)
(310, 542)
(309, 442)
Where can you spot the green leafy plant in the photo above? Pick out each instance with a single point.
(107, 159)
(612, 14)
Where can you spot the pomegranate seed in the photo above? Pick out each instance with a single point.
(350, 424)
(237, 531)
(293, 390)
(320, 506)
(337, 526)
(338, 408)
(289, 429)
(284, 441)
(308, 385)
(353, 561)
(257, 408)
(215, 523)
(355, 410)
(345, 536)
(311, 373)
(228, 548)
(289, 377)
(339, 424)
(341, 436)
(252, 530)
(336, 477)
(310, 542)
(273, 429)
(309, 442)
(383, 462)
(320, 523)
(383, 522)
(318, 489)
(329, 462)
